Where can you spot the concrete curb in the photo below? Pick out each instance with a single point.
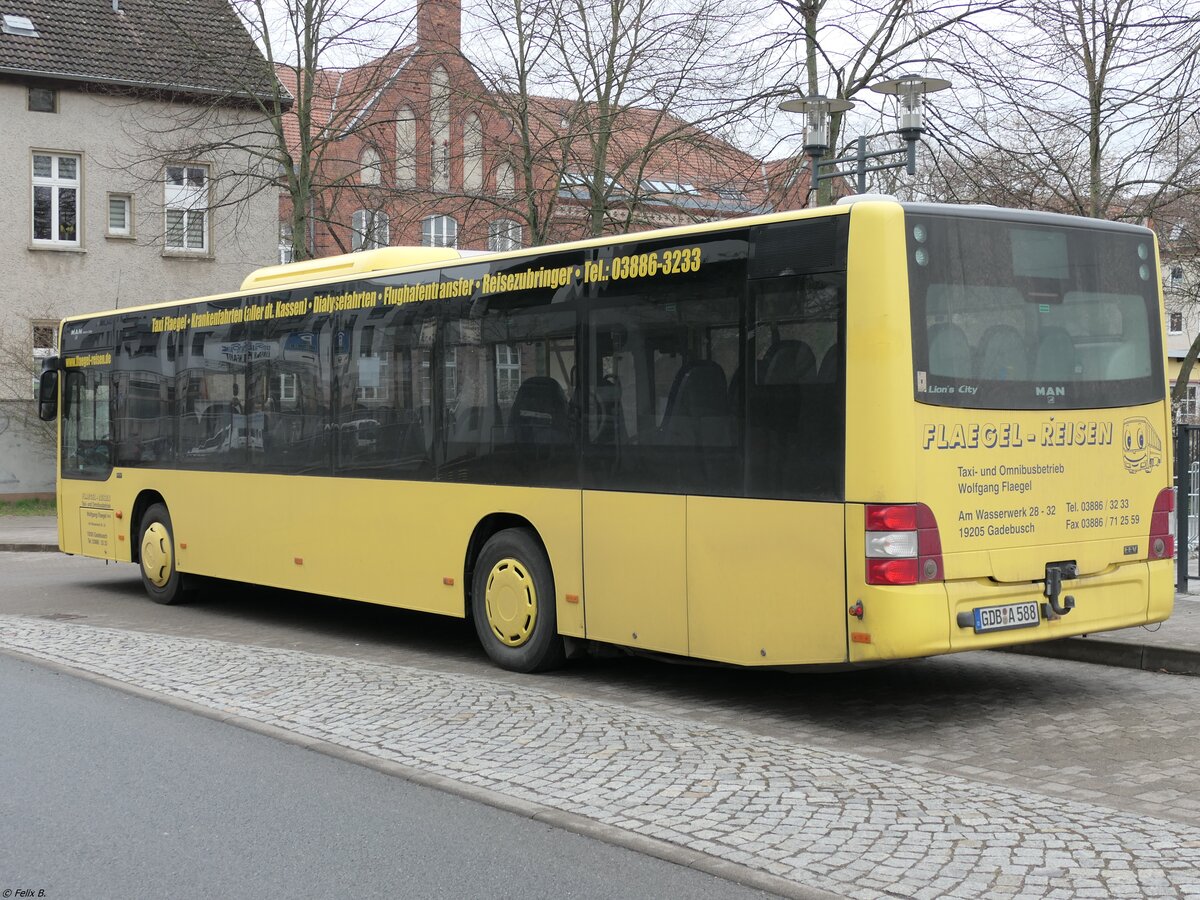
(1121, 654)
(28, 547)
(567, 821)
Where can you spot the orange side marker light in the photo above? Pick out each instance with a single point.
(183, 545)
(572, 598)
(860, 637)
(449, 582)
(119, 514)
(299, 560)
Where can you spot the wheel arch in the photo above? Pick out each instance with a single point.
(144, 501)
(486, 527)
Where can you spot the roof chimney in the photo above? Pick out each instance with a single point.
(117, 6)
(439, 24)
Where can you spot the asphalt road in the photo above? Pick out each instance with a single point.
(106, 795)
(1125, 739)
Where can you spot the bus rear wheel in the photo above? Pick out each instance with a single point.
(156, 555)
(512, 603)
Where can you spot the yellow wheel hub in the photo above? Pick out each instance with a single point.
(511, 602)
(156, 554)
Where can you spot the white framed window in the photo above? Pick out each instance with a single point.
(439, 231)
(508, 373)
(370, 229)
(120, 215)
(504, 234)
(185, 200)
(406, 148)
(56, 188)
(472, 154)
(1175, 323)
(45, 345)
(369, 168)
(287, 387)
(1190, 406)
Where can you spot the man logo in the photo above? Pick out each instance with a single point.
(1050, 391)
(1140, 446)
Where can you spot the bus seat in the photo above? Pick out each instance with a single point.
(1056, 357)
(1002, 355)
(1128, 360)
(539, 412)
(828, 371)
(949, 351)
(789, 362)
(697, 412)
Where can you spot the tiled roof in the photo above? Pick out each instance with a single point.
(179, 46)
(724, 178)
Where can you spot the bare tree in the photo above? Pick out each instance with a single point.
(601, 94)
(839, 50)
(1086, 106)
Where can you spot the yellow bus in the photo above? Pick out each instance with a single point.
(867, 432)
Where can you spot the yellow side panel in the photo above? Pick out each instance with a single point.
(388, 542)
(1162, 589)
(766, 581)
(635, 569)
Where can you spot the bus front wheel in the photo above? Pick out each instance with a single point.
(512, 602)
(156, 555)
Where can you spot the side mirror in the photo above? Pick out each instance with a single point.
(48, 390)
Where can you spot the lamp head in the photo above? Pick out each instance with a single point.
(817, 110)
(910, 91)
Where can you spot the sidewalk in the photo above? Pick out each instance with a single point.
(1172, 646)
(29, 533)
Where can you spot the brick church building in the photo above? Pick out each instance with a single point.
(426, 155)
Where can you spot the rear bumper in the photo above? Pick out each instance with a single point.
(922, 620)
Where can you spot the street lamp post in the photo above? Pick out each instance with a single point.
(910, 90)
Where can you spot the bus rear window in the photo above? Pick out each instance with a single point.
(1025, 315)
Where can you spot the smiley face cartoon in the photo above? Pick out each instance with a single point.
(1140, 445)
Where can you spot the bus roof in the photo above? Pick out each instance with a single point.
(347, 265)
(389, 260)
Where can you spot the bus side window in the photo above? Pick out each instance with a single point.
(380, 427)
(510, 410)
(288, 394)
(795, 391)
(210, 393)
(664, 350)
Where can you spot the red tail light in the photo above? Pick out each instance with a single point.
(1162, 525)
(903, 545)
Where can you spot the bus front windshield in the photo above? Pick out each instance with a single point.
(1021, 314)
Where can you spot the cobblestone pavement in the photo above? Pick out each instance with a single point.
(826, 818)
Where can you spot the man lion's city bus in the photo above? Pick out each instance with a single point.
(868, 432)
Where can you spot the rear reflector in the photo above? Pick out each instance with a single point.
(903, 545)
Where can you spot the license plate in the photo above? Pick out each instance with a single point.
(1012, 615)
